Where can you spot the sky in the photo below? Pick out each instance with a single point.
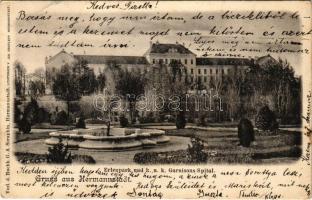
(33, 58)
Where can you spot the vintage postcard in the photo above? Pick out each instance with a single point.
(155, 99)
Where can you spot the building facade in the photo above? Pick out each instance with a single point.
(199, 69)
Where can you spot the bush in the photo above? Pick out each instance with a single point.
(148, 119)
(43, 116)
(62, 118)
(161, 118)
(169, 157)
(123, 121)
(83, 159)
(34, 114)
(17, 112)
(95, 121)
(95, 114)
(74, 107)
(266, 120)
(31, 112)
(81, 123)
(145, 157)
(53, 116)
(180, 121)
(30, 158)
(190, 119)
(59, 153)
(202, 121)
(170, 118)
(195, 151)
(245, 132)
(24, 126)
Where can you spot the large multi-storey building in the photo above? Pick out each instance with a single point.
(202, 69)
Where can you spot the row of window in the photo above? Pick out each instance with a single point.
(204, 79)
(168, 61)
(199, 71)
(192, 70)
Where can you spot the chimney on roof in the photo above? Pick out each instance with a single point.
(151, 43)
(46, 60)
(157, 42)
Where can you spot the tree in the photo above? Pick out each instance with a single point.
(130, 86)
(71, 82)
(158, 83)
(29, 118)
(179, 86)
(112, 73)
(177, 69)
(179, 83)
(275, 84)
(40, 72)
(101, 82)
(111, 104)
(245, 132)
(233, 92)
(17, 112)
(266, 119)
(87, 80)
(31, 112)
(180, 121)
(19, 79)
(81, 123)
(36, 88)
(107, 85)
(66, 86)
(123, 121)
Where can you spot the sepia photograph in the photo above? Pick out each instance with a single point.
(204, 94)
(155, 99)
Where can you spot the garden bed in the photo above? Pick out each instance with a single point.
(31, 158)
(221, 157)
(223, 147)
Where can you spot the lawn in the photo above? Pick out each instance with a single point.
(223, 147)
(31, 136)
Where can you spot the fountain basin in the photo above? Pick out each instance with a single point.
(119, 138)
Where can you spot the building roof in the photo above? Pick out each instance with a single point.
(51, 58)
(223, 61)
(98, 59)
(166, 48)
(34, 76)
(267, 59)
